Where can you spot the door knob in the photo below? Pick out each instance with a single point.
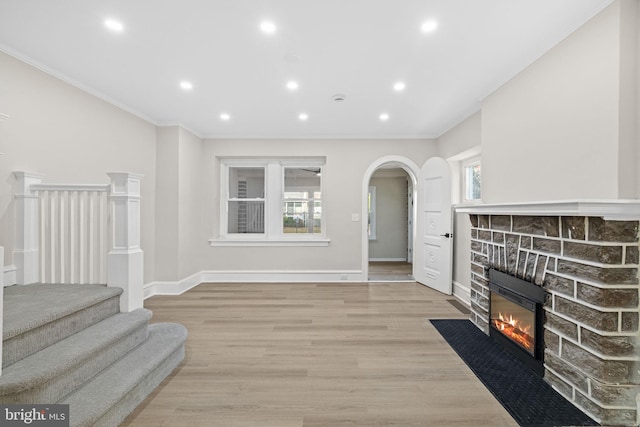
(447, 235)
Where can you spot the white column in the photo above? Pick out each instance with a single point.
(125, 259)
(26, 255)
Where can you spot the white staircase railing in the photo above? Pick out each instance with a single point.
(73, 233)
(85, 234)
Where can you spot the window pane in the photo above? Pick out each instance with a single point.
(246, 217)
(302, 205)
(246, 183)
(472, 178)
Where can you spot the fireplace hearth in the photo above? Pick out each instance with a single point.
(516, 317)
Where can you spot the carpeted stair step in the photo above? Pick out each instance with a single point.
(37, 316)
(54, 372)
(115, 392)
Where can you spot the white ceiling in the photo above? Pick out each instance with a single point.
(358, 48)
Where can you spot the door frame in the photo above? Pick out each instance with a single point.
(413, 170)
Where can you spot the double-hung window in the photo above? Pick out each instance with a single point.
(271, 202)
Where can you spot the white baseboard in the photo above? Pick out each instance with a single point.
(172, 288)
(387, 260)
(9, 275)
(462, 292)
(283, 276)
(181, 286)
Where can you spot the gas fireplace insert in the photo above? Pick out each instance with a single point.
(517, 317)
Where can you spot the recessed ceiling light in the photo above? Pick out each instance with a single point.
(186, 85)
(384, 117)
(429, 26)
(292, 85)
(303, 116)
(114, 25)
(225, 117)
(268, 27)
(399, 86)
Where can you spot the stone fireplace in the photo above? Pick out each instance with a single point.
(585, 257)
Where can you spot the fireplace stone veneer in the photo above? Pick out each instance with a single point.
(588, 267)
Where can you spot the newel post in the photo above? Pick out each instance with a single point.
(26, 254)
(125, 264)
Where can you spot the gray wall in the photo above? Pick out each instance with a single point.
(75, 137)
(71, 137)
(179, 229)
(343, 175)
(564, 128)
(555, 131)
(391, 215)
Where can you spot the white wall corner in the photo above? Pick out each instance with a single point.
(177, 287)
(462, 292)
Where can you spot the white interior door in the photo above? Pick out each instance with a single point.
(432, 264)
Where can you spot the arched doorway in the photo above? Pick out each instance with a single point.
(431, 228)
(389, 163)
(390, 225)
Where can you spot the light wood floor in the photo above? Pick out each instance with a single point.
(292, 355)
(381, 271)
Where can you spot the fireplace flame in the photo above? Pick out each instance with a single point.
(511, 327)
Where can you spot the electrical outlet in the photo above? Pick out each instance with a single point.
(355, 217)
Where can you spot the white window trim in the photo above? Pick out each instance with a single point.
(471, 161)
(274, 198)
(372, 192)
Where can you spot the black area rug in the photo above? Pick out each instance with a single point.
(524, 394)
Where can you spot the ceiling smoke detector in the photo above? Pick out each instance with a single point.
(339, 97)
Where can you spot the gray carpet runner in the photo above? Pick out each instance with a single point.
(69, 344)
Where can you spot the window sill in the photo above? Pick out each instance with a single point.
(253, 242)
(468, 202)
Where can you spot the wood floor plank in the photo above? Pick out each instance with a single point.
(309, 355)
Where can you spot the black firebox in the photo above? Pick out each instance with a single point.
(516, 317)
